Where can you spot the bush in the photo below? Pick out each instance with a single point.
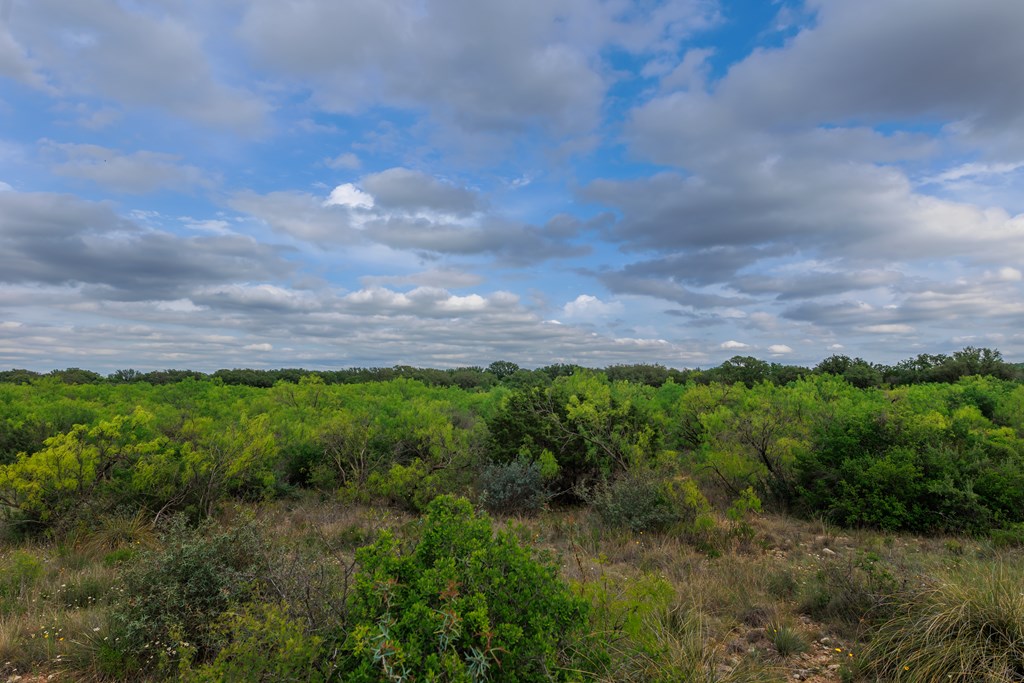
(266, 644)
(1012, 537)
(462, 605)
(175, 595)
(639, 501)
(969, 626)
(513, 487)
(850, 592)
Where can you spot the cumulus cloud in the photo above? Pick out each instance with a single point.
(733, 345)
(589, 307)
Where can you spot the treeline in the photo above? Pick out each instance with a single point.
(930, 457)
(921, 369)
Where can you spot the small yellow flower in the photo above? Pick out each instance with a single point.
(839, 649)
(906, 668)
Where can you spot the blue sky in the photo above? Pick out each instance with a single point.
(329, 183)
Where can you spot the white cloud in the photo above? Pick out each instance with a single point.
(349, 195)
(733, 345)
(780, 349)
(588, 307)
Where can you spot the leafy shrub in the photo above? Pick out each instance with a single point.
(266, 644)
(175, 595)
(514, 487)
(969, 626)
(462, 605)
(639, 501)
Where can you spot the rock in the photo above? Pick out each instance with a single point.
(827, 551)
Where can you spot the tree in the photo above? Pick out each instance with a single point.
(502, 369)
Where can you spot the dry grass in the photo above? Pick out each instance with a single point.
(666, 606)
(52, 604)
(965, 625)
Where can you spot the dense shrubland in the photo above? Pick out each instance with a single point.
(132, 484)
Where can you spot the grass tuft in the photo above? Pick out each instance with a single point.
(966, 626)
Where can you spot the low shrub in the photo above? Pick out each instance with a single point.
(638, 500)
(19, 572)
(175, 595)
(850, 592)
(461, 605)
(513, 487)
(266, 644)
(1010, 537)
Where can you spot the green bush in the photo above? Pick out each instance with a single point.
(266, 644)
(175, 595)
(461, 605)
(514, 487)
(639, 501)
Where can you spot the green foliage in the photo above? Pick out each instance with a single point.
(461, 605)
(594, 428)
(19, 572)
(79, 473)
(922, 458)
(1012, 537)
(638, 501)
(265, 644)
(174, 596)
(514, 487)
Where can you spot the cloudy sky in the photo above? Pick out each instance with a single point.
(328, 183)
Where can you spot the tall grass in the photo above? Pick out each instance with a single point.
(966, 626)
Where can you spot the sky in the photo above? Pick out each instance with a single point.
(336, 183)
